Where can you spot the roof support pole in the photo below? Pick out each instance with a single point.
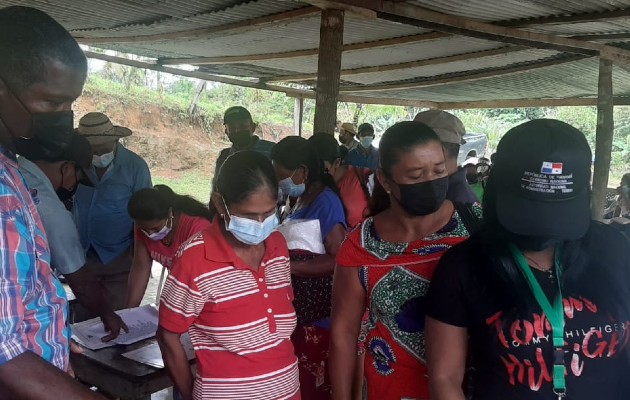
(298, 115)
(328, 70)
(604, 138)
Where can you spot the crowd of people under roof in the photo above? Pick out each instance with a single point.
(316, 270)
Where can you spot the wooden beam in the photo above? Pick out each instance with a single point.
(422, 17)
(213, 31)
(405, 65)
(604, 138)
(328, 67)
(604, 36)
(387, 101)
(528, 103)
(422, 37)
(602, 16)
(200, 75)
(480, 104)
(467, 77)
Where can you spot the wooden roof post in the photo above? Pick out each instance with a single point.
(298, 115)
(604, 138)
(328, 70)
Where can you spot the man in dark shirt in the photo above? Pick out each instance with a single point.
(451, 131)
(364, 155)
(240, 128)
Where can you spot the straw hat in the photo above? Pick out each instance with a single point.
(97, 128)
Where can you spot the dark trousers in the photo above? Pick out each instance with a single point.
(113, 277)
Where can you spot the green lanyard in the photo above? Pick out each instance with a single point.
(554, 313)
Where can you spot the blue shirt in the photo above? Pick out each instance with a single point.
(359, 157)
(33, 305)
(66, 252)
(101, 212)
(326, 208)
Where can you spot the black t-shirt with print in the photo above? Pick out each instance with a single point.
(513, 359)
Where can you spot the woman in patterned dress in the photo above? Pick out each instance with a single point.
(386, 264)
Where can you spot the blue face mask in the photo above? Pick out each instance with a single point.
(249, 231)
(290, 189)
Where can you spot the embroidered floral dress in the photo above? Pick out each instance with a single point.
(396, 279)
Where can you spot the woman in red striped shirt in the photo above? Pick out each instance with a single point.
(230, 289)
(163, 221)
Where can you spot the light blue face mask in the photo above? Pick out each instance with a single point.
(290, 189)
(249, 231)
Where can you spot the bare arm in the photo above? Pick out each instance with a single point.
(176, 361)
(29, 377)
(348, 308)
(90, 294)
(139, 274)
(323, 265)
(447, 347)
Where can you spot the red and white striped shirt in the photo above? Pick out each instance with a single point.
(240, 320)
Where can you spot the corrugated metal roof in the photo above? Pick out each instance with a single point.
(586, 28)
(216, 17)
(577, 79)
(121, 18)
(389, 55)
(106, 14)
(435, 71)
(490, 10)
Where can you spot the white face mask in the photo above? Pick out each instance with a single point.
(250, 231)
(104, 160)
(366, 141)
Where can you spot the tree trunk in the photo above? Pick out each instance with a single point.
(193, 104)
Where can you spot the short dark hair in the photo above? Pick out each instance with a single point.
(451, 150)
(326, 146)
(293, 152)
(366, 127)
(28, 39)
(397, 140)
(243, 174)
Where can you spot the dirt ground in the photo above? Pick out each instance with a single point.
(170, 143)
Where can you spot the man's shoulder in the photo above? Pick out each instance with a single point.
(264, 146)
(131, 158)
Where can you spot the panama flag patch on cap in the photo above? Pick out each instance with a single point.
(551, 168)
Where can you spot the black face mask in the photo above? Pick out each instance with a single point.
(64, 193)
(43, 135)
(240, 138)
(51, 134)
(423, 198)
(532, 243)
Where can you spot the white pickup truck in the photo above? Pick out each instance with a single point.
(475, 146)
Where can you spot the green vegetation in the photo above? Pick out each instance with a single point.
(191, 184)
(133, 86)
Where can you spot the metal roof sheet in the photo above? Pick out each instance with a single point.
(132, 18)
(498, 10)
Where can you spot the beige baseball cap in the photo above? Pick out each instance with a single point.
(448, 127)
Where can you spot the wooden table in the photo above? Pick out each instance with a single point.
(108, 370)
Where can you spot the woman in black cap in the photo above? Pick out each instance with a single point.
(539, 296)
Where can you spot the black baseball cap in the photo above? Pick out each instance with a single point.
(236, 114)
(542, 172)
(78, 151)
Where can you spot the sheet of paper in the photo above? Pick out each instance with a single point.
(151, 354)
(141, 321)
